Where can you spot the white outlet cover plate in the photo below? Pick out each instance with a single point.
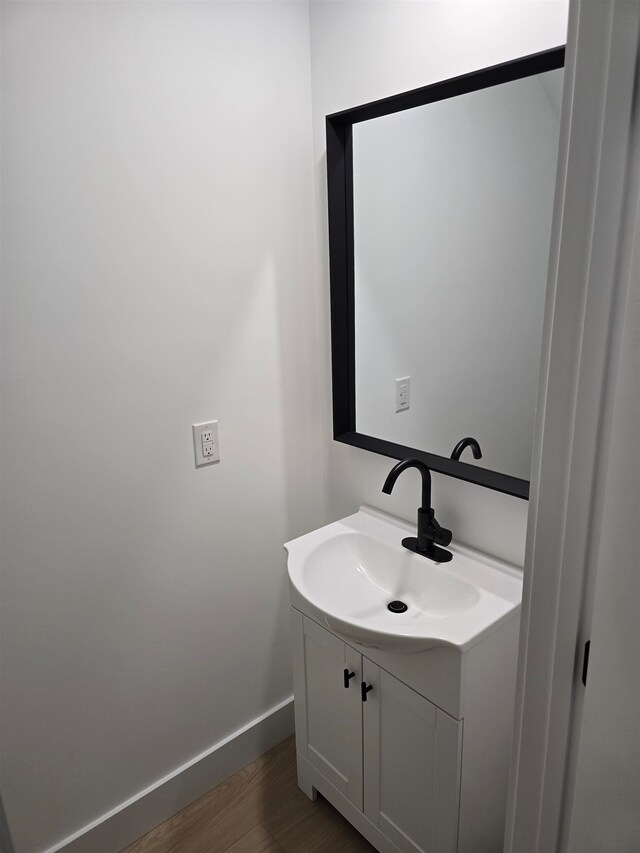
(403, 394)
(206, 432)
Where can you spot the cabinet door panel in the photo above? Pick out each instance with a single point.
(411, 765)
(333, 713)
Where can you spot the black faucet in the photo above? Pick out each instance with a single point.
(467, 442)
(429, 531)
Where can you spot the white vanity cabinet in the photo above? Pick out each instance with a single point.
(420, 762)
(328, 716)
(390, 762)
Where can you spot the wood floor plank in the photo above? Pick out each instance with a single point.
(218, 819)
(346, 839)
(301, 826)
(257, 840)
(258, 810)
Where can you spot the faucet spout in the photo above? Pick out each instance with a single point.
(429, 531)
(425, 473)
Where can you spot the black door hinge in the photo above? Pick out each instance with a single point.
(585, 662)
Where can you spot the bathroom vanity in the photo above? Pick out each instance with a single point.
(404, 719)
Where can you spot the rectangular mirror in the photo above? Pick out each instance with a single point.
(440, 207)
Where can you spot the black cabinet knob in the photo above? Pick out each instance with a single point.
(347, 676)
(365, 689)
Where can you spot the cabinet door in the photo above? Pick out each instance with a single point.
(412, 753)
(328, 715)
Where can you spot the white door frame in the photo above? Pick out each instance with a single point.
(592, 239)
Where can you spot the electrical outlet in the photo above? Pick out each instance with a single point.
(206, 446)
(403, 394)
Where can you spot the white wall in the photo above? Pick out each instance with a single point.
(158, 252)
(369, 50)
(452, 220)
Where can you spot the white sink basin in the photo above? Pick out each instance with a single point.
(351, 570)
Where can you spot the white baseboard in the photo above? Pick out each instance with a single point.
(131, 819)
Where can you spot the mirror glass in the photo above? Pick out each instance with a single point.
(452, 207)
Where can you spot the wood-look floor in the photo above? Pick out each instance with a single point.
(258, 810)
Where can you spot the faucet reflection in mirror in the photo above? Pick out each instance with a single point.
(463, 444)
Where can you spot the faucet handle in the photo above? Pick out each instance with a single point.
(440, 535)
(443, 536)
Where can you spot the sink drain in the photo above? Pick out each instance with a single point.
(397, 606)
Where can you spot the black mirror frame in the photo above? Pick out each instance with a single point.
(341, 260)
